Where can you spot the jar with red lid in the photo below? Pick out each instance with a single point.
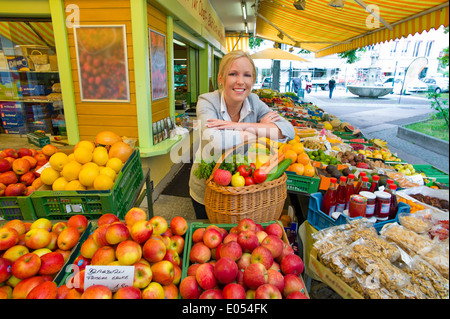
(370, 210)
(357, 206)
(382, 205)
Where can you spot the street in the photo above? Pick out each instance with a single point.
(379, 118)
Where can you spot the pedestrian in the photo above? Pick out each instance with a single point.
(297, 84)
(331, 86)
(230, 116)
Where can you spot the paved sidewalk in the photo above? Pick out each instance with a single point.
(379, 118)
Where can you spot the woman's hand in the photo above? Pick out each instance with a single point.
(223, 125)
(271, 117)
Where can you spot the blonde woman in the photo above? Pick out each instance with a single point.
(232, 115)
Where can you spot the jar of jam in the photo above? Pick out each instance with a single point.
(370, 210)
(357, 206)
(382, 205)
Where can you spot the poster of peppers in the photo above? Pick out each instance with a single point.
(102, 63)
(158, 64)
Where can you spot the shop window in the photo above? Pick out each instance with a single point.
(417, 48)
(30, 90)
(429, 48)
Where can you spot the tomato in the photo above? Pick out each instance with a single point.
(244, 170)
(249, 181)
(259, 176)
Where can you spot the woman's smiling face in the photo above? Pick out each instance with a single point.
(238, 81)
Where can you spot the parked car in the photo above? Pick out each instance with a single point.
(436, 84)
(411, 87)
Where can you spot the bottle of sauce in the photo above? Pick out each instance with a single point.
(382, 205)
(365, 185)
(329, 201)
(360, 181)
(370, 209)
(374, 186)
(394, 204)
(349, 189)
(341, 194)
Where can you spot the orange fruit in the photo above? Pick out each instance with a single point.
(290, 154)
(309, 170)
(298, 148)
(297, 168)
(286, 147)
(303, 158)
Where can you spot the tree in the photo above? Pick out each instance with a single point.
(351, 55)
(254, 42)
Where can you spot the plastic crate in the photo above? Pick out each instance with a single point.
(433, 172)
(319, 220)
(17, 207)
(93, 203)
(299, 183)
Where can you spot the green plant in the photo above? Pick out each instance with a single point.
(440, 105)
(351, 55)
(254, 42)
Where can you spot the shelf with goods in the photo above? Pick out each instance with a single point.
(182, 94)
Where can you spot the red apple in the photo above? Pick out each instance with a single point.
(41, 159)
(128, 252)
(163, 272)
(80, 262)
(268, 291)
(177, 243)
(297, 295)
(135, 214)
(292, 264)
(68, 238)
(99, 235)
(244, 261)
(262, 255)
(52, 245)
(80, 222)
(233, 291)
(89, 247)
(127, 293)
(212, 238)
(200, 253)
(197, 235)
(287, 250)
(226, 270)
(141, 231)
(27, 178)
(231, 249)
(274, 229)
(77, 281)
(170, 291)
(8, 177)
(292, 283)
(26, 266)
(176, 275)
(261, 234)
(37, 238)
(51, 263)
(205, 276)
(5, 165)
(21, 152)
(222, 177)
(17, 189)
(246, 224)
(32, 161)
(17, 224)
(230, 237)
(116, 233)
(159, 224)
(178, 225)
(5, 269)
(248, 240)
(274, 244)
(173, 257)
(43, 223)
(59, 227)
(73, 294)
(255, 275)
(189, 288)
(8, 237)
(62, 291)
(276, 279)
(20, 166)
(192, 269)
(23, 288)
(142, 275)
(154, 249)
(153, 291)
(9, 152)
(214, 293)
(103, 256)
(2, 189)
(97, 292)
(45, 290)
(14, 252)
(107, 219)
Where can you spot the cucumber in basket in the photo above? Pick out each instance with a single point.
(278, 170)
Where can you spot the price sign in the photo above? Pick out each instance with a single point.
(113, 277)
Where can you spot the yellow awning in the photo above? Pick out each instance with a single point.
(28, 33)
(237, 41)
(326, 30)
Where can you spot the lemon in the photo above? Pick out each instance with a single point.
(71, 170)
(91, 164)
(100, 155)
(103, 182)
(74, 185)
(58, 160)
(328, 126)
(82, 155)
(49, 175)
(87, 175)
(86, 144)
(60, 184)
(115, 163)
(108, 171)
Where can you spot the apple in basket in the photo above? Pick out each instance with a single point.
(222, 177)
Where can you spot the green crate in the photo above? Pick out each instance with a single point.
(433, 172)
(304, 184)
(93, 203)
(17, 207)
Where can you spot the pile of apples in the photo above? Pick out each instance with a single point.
(18, 169)
(151, 246)
(248, 262)
(32, 254)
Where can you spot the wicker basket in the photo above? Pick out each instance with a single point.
(38, 58)
(228, 205)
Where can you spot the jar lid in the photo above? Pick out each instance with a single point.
(368, 195)
(382, 194)
(358, 199)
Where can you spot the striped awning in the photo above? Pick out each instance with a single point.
(28, 33)
(237, 41)
(326, 30)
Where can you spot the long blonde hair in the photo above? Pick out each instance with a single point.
(226, 62)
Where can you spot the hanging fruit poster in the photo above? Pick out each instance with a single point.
(102, 63)
(158, 65)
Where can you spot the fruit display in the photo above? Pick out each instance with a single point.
(245, 261)
(33, 253)
(300, 161)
